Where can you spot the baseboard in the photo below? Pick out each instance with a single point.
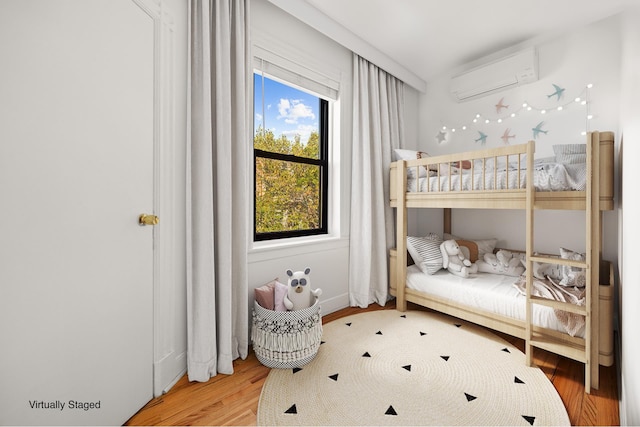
(334, 304)
(167, 372)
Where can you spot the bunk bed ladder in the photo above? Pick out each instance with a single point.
(594, 255)
(587, 353)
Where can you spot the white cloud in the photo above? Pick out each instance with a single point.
(292, 110)
(303, 130)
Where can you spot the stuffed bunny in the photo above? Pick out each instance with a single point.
(454, 261)
(300, 295)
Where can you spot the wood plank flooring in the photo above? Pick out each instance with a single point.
(233, 399)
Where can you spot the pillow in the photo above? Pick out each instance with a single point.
(469, 249)
(465, 164)
(280, 292)
(422, 155)
(485, 246)
(572, 276)
(425, 252)
(402, 154)
(544, 160)
(570, 153)
(504, 262)
(265, 295)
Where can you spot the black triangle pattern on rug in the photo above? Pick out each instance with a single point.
(404, 316)
(391, 411)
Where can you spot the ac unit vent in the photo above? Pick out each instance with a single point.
(510, 71)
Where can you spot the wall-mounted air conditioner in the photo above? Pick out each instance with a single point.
(504, 73)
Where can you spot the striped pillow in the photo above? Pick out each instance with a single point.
(570, 153)
(425, 252)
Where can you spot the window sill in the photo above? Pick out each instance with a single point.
(267, 250)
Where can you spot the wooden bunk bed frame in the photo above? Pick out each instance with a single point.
(596, 348)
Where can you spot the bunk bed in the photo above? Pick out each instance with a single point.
(497, 179)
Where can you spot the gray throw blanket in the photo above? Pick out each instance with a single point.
(572, 322)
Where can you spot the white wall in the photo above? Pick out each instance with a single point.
(582, 56)
(275, 30)
(328, 257)
(629, 291)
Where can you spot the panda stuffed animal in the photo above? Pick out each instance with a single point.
(299, 292)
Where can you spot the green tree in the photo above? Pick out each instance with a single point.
(287, 193)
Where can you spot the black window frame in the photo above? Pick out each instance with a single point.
(322, 162)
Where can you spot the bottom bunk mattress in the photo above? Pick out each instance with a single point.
(493, 293)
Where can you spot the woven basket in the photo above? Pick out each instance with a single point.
(286, 339)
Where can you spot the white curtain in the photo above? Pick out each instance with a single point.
(377, 128)
(217, 207)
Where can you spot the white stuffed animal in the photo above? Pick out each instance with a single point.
(503, 262)
(454, 260)
(299, 293)
(543, 271)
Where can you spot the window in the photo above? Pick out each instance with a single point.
(291, 171)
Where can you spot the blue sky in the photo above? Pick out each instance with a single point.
(287, 110)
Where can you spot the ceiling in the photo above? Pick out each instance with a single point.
(429, 37)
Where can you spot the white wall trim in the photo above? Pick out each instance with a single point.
(294, 247)
(166, 363)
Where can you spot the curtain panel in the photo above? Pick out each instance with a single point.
(378, 128)
(217, 206)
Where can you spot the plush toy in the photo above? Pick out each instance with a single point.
(503, 262)
(299, 293)
(543, 270)
(454, 261)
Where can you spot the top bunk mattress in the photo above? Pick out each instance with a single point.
(493, 293)
(546, 177)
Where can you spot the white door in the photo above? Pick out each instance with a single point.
(76, 171)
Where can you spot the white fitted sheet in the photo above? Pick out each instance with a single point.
(494, 293)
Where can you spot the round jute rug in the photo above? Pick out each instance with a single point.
(414, 368)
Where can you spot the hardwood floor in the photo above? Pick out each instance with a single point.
(233, 399)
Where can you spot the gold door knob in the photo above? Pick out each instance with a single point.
(145, 219)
